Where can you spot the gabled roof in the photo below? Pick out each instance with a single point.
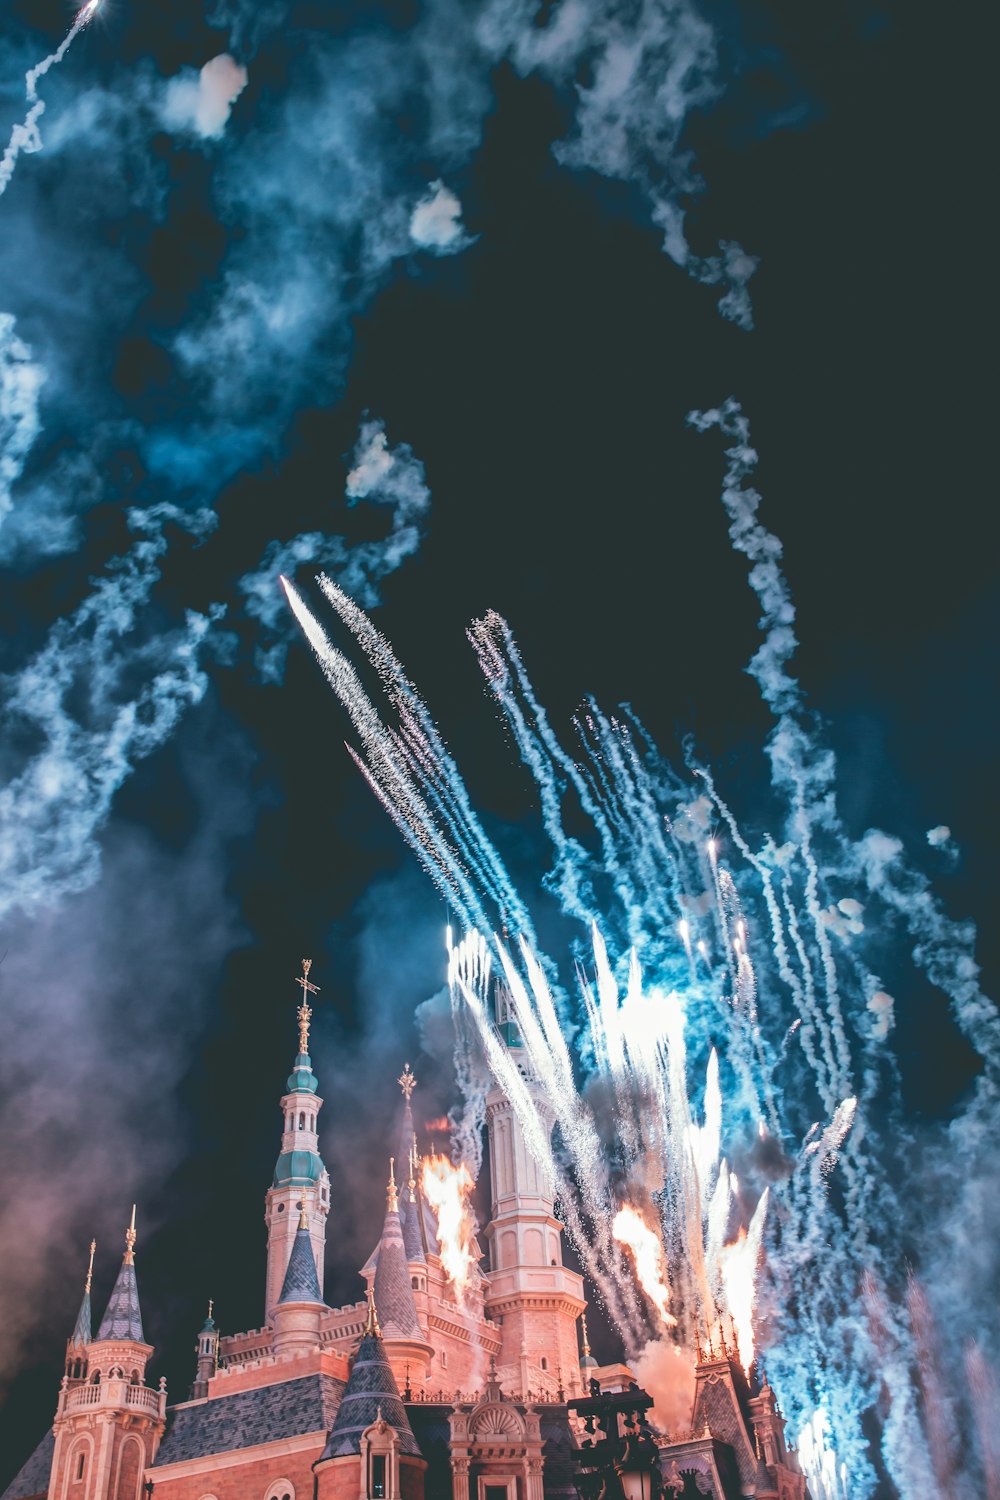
(123, 1319)
(371, 1387)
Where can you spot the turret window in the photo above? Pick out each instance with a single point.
(377, 1490)
(302, 1121)
(81, 1466)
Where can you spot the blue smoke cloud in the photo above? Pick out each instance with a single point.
(384, 476)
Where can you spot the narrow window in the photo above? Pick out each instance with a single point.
(302, 1121)
(378, 1476)
(81, 1464)
(545, 1363)
(444, 1360)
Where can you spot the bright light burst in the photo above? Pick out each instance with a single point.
(630, 1228)
(448, 1190)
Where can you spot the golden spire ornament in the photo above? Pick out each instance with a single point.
(586, 1345)
(407, 1082)
(393, 1199)
(371, 1325)
(130, 1241)
(305, 1010)
(90, 1269)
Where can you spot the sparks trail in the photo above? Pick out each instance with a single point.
(718, 1163)
(25, 135)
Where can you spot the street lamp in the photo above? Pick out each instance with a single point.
(623, 1462)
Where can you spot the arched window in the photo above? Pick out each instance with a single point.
(134, 1378)
(97, 1377)
(302, 1120)
(545, 1363)
(282, 1490)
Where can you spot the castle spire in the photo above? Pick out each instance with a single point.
(83, 1328)
(305, 1009)
(123, 1318)
(391, 1286)
(299, 1172)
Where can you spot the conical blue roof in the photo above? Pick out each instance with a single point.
(122, 1319)
(409, 1213)
(301, 1284)
(394, 1304)
(371, 1386)
(83, 1328)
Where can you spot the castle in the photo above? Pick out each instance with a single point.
(411, 1393)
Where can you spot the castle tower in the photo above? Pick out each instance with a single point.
(108, 1427)
(299, 1309)
(299, 1175)
(371, 1449)
(207, 1350)
(76, 1344)
(531, 1294)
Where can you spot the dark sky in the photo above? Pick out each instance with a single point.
(211, 321)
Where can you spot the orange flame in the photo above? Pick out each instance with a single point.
(447, 1190)
(630, 1229)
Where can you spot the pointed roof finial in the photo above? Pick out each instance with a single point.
(90, 1269)
(305, 1010)
(303, 1221)
(392, 1201)
(407, 1082)
(371, 1324)
(130, 1241)
(583, 1321)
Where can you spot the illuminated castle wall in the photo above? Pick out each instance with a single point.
(410, 1393)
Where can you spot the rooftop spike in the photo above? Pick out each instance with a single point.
(130, 1240)
(305, 1010)
(392, 1197)
(371, 1322)
(407, 1082)
(83, 1328)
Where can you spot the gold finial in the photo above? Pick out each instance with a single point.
(393, 1200)
(303, 1221)
(90, 1269)
(586, 1345)
(371, 1326)
(130, 1241)
(407, 1082)
(305, 1010)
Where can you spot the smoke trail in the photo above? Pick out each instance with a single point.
(392, 478)
(25, 135)
(21, 380)
(89, 705)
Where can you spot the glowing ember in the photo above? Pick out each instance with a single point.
(738, 1264)
(630, 1229)
(447, 1190)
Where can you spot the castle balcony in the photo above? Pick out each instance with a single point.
(116, 1395)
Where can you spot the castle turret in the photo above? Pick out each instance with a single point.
(299, 1174)
(371, 1449)
(207, 1350)
(392, 1289)
(108, 1426)
(76, 1344)
(299, 1309)
(531, 1294)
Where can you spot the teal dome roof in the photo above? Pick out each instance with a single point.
(297, 1166)
(302, 1079)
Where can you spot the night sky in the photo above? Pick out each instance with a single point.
(206, 318)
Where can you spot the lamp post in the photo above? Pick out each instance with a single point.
(621, 1463)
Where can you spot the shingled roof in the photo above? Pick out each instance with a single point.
(246, 1418)
(397, 1311)
(372, 1387)
(122, 1318)
(31, 1482)
(301, 1283)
